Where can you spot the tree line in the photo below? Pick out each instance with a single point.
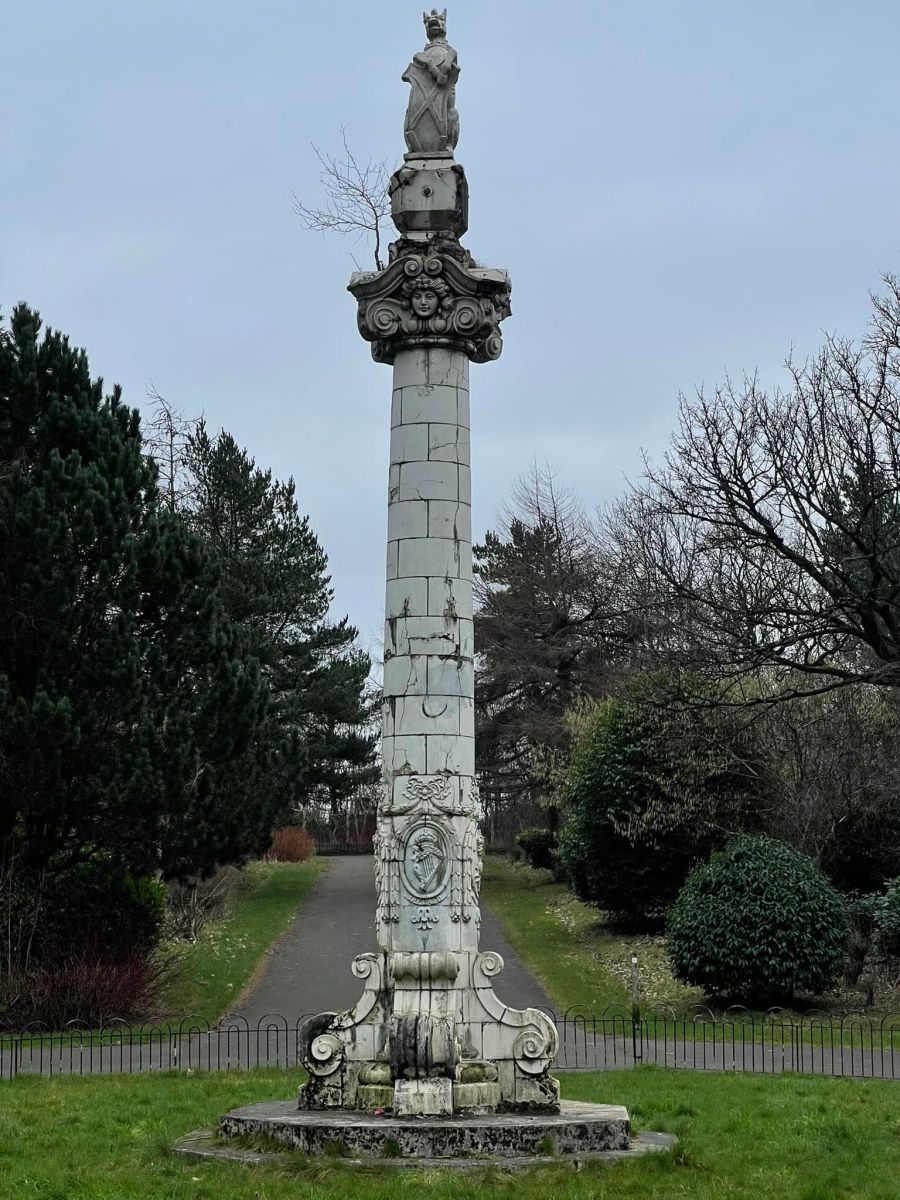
(172, 686)
(714, 656)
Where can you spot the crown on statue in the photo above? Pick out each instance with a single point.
(434, 18)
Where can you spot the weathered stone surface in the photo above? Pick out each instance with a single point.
(576, 1129)
(206, 1144)
(450, 1043)
(429, 299)
(432, 122)
(423, 1098)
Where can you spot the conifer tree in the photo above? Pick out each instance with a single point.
(129, 702)
(276, 587)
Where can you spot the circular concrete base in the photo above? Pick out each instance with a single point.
(577, 1130)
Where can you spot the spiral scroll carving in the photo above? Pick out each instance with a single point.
(435, 299)
(490, 963)
(325, 1055)
(533, 1049)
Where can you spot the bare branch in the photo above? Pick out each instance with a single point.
(770, 537)
(356, 198)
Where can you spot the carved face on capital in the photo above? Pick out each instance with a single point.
(424, 302)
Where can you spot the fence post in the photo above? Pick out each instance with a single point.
(636, 1044)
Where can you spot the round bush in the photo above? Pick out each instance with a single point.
(757, 923)
(538, 846)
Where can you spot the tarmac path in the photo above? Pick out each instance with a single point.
(308, 970)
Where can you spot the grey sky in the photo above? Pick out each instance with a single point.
(676, 189)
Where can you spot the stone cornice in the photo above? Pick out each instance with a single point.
(428, 297)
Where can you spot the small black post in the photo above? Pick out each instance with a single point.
(636, 1044)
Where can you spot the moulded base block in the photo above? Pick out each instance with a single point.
(577, 1129)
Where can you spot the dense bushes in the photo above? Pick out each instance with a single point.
(538, 846)
(652, 787)
(97, 912)
(874, 940)
(291, 844)
(887, 920)
(79, 944)
(758, 923)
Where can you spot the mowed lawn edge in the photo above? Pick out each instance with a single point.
(740, 1137)
(216, 972)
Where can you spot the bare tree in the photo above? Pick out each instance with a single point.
(356, 198)
(770, 536)
(167, 435)
(833, 768)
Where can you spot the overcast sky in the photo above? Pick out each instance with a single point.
(676, 189)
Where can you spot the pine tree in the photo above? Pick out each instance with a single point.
(276, 587)
(129, 702)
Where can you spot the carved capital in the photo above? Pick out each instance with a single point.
(429, 297)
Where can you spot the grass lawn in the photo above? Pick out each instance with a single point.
(568, 948)
(783, 1138)
(213, 972)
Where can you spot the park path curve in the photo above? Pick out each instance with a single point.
(308, 970)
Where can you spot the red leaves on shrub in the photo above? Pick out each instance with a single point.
(88, 991)
(291, 844)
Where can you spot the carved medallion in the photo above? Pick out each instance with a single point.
(426, 860)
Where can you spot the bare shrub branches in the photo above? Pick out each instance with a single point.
(356, 198)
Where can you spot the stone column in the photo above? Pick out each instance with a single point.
(429, 1037)
(428, 839)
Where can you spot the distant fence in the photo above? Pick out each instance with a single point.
(328, 849)
(853, 1045)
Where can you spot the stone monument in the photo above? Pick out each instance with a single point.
(430, 1064)
(429, 1036)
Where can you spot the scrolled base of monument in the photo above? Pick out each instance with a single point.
(429, 1037)
(577, 1131)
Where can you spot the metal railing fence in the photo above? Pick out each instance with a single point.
(853, 1044)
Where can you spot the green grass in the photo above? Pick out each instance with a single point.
(741, 1138)
(214, 972)
(579, 961)
(561, 940)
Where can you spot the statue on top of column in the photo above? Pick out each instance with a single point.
(432, 122)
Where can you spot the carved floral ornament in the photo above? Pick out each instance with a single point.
(431, 299)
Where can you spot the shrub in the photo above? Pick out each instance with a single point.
(862, 916)
(758, 923)
(95, 912)
(191, 903)
(538, 846)
(886, 933)
(652, 787)
(88, 991)
(291, 844)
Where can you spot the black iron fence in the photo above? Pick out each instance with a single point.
(329, 848)
(854, 1044)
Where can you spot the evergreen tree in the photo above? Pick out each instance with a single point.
(129, 702)
(275, 586)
